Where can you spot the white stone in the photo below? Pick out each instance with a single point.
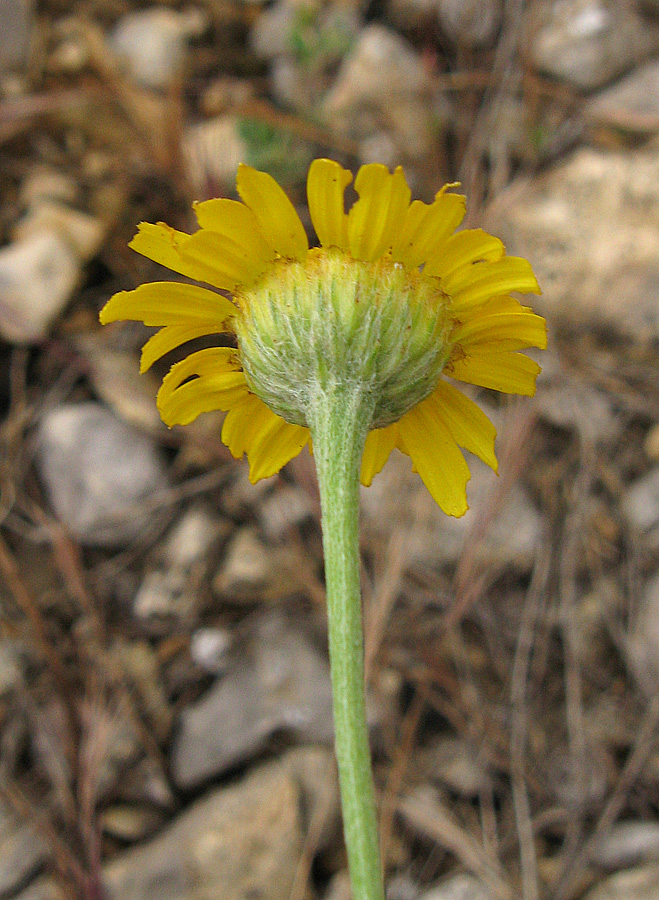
(212, 151)
(37, 277)
(153, 43)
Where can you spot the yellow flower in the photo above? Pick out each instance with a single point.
(441, 299)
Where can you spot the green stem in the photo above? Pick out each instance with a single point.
(339, 420)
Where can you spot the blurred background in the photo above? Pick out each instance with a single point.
(165, 726)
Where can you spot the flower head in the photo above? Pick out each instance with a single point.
(394, 298)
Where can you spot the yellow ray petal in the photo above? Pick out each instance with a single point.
(506, 331)
(424, 229)
(326, 184)
(162, 244)
(467, 423)
(172, 336)
(280, 224)
(374, 218)
(217, 382)
(239, 228)
(230, 262)
(269, 441)
(379, 444)
(481, 281)
(274, 446)
(436, 458)
(463, 249)
(511, 373)
(168, 303)
(404, 244)
(493, 306)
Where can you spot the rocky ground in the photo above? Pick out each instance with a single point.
(165, 727)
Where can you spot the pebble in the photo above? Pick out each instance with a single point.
(237, 842)
(458, 887)
(170, 591)
(643, 643)
(470, 23)
(22, 851)
(361, 98)
(130, 823)
(590, 227)
(451, 761)
(286, 507)
(434, 538)
(632, 104)
(98, 472)
(303, 44)
(588, 43)
(18, 20)
(46, 183)
(37, 277)
(637, 884)
(192, 537)
(153, 43)
(627, 844)
(41, 267)
(117, 380)
(11, 670)
(209, 649)
(278, 681)
(41, 889)
(402, 887)
(573, 403)
(641, 502)
(84, 233)
(212, 151)
(252, 569)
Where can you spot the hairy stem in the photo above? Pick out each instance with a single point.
(339, 418)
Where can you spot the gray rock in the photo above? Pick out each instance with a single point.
(627, 844)
(573, 403)
(458, 887)
(41, 889)
(637, 884)
(280, 681)
(643, 642)
(22, 851)
(641, 502)
(17, 17)
(470, 23)
(361, 98)
(402, 887)
(452, 762)
(590, 227)
(286, 507)
(11, 670)
(434, 538)
(237, 843)
(631, 104)
(588, 43)
(98, 473)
